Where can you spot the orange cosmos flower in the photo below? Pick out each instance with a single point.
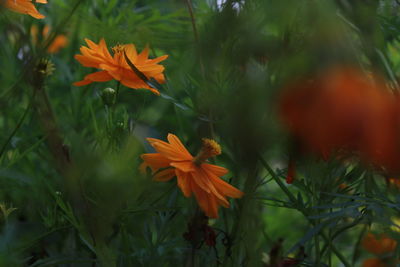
(345, 111)
(374, 262)
(336, 110)
(59, 42)
(115, 67)
(24, 7)
(380, 246)
(194, 175)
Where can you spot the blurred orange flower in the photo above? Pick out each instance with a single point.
(59, 42)
(380, 246)
(115, 67)
(374, 262)
(24, 7)
(192, 173)
(347, 111)
(393, 181)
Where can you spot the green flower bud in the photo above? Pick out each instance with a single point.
(108, 96)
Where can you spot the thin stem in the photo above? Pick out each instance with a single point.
(19, 124)
(316, 237)
(239, 222)
(195, 32)
(117, 93)
(193, 20)
(33, 62)
(317, 250)
(302, 210)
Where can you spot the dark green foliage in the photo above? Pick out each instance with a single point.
(70, 156)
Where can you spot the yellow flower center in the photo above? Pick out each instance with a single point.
(210, 148)
(118, 49)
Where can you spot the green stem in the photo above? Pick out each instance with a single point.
(19, 124)
(317, 250)
(243, 204)
(302, 210)
(316, 237)
(117, 93)
(195, 32)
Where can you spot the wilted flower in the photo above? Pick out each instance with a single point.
(115, 67)
(199, 232)
(382, 246)
(59, 42)
(275, 257)
(193, 174)
(24, 7)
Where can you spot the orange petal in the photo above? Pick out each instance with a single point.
(46, 30)
(104, 50)
(201, 175)
(143, 55)
(91, 44)
(169, 151)
(59, 42)
(34, 33)
(24, 7)
(183, 182)
(217, 170)
(199, 181)
(213, 207)
(185, 166)
(137, 84)
(82, 83)
(155, 161)
(225, 188)
(131, 53)
(100, 76)
(203, 199)
(87, 61)
(174, 141)
(142, 167)
(158, 59)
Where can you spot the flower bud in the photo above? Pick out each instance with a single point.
(108, 96)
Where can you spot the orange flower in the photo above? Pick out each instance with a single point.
(115, 67)
(24, 7)
(393, 182)
(193, 174)
(332, 111)
(346, 111)
(374, 262)
(380, 246)
(59, 41)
